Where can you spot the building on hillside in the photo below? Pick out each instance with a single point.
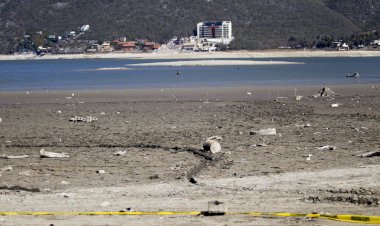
(84, 28)
(128, 46)
(215, 31)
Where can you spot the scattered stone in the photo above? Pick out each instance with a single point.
(101, 171)
(46, 154)
(370, 154)
(4, 156)
(120, 153)
(326, 147)
(335, 105)
(59, 112)
(309, 157)
(299, 97)
(218, 138)
(260, 145)
(64, 182)
(65, 195)
(264, 132)
(82, 119)
(104, 204)
(303, 125)
(7, 168)
(154, 177)
(24, 173)
(1, 120)
(249, 93)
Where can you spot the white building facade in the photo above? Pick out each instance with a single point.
(215, 31)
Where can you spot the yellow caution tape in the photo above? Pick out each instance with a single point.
(363, 219)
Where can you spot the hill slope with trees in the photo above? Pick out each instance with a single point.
(256, 24)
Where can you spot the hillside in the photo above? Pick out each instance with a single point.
(256, 24)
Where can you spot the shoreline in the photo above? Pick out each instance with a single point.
(201, 55)
(235, 93)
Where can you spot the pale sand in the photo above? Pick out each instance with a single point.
(214, 63)
(203, 55)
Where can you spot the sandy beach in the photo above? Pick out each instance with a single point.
(162, 131)
(200, 55)
(214, 63)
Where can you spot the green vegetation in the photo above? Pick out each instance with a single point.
(256, 24)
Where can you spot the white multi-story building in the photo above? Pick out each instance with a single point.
(215, 31)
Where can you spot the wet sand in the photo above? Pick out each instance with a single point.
(162, 131)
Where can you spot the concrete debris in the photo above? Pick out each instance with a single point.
(309, 157)
(46, 154)
(7, 168)
(24, 173)
(335, 105)
(82, 119)
(4, 156)
(101, 171)
(324, 92)
(260, 145)
(104, 204)
(303, 125)
(212, 145)
(217, 207)
(370, 154)
(249, 93)
(59, 112)
(264, 132)
(1, 120)
(326, 147)
(65, 195)
(299, 97)
(218, 138)
(64, 182)
(120, 153)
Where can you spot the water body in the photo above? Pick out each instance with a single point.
(82, 74)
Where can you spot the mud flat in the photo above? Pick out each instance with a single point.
(162, 131)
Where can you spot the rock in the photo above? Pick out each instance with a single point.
(264, 132)
(212, 146)
(299, 97)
